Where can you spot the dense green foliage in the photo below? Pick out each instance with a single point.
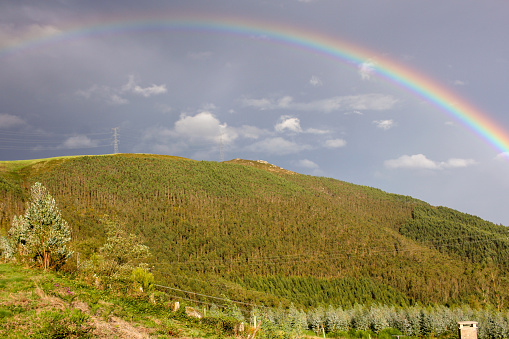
(313, 292)
(458, 233)
(236, 228)
(41, 235)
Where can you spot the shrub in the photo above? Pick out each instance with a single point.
(388, 333)
(142, 278)
(64, 324)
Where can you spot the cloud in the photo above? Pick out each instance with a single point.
(202, 132)
(132, 87)
(116, 95)
(315, 81)
(504, 156)
(203, 126)
(106, 93)
(354, 112)
(79, 141)
(373, 101)
(307, 164)
(316, 131)
(420, 161)
(251, 132)
(278, 146)
(284, 102)
(366, 69)
(261, 104)
(292, 124)
(289, 123)
(8, 121)
(384, 124)
(459, 83)
(335, 143)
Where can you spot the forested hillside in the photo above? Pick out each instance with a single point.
(254, 232)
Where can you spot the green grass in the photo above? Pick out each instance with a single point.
(38, 304)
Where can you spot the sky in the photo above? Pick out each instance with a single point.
(375, 93)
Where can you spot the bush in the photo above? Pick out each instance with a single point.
(64, 324)
(143, 278)
(387, 333)
(225, 324)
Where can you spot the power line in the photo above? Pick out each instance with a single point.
(260, 306)
(289, 259)
(209, 296)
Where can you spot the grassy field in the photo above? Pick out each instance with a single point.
(37, 304)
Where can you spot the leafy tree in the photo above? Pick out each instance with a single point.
(41, 235)
(5, 248)
(120, 254)
(123, 248)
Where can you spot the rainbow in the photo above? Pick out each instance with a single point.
(400, 75)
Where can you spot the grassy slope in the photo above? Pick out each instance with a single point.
(242, 224)
(37, 304)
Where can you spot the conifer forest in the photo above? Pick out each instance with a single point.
(301, 251)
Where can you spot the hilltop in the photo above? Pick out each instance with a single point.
(255, 232)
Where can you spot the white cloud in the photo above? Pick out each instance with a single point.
(116, 99)
(411, 161)
(277, 146)
(384, 124)
(335, 143)
(203, 126)
(262, 104)
(110, 95)
(289, 123)
(315, 81)
(79, 141)
(455, 163)
(420, 161)
(354, 112)
(316, 131)
(292, 124)
(116, 96)
(459, 83)
(307, 164)
(504, 156)
(284, 102)
(377, 102)
(8, 121)
(372, 101)
(202, 132)
(132, 87)
(366, 69)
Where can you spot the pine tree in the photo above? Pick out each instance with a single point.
(41, 235)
